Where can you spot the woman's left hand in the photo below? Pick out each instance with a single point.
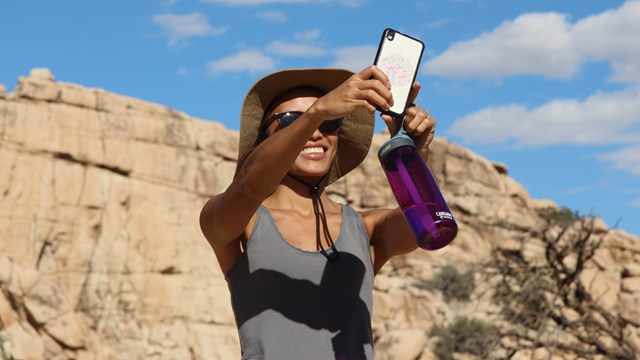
(420, 126)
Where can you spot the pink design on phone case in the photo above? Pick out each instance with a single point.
(397, 68)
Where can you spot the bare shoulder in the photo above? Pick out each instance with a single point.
(226, 248)
(389, 234)
(207, 217)
(373, 218)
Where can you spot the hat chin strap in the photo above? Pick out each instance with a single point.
(318, 210)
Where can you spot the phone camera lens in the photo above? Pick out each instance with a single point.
(390, 35)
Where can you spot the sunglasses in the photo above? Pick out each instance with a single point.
(287, 118)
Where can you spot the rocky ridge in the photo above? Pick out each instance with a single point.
(101, 253)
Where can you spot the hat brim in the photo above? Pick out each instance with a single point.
(356, 133)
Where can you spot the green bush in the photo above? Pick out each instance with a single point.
(562, 216)
(464, 335)
(524, 303)
(452, 284)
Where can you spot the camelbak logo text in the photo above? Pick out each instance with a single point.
(444, 215)
(385, 149)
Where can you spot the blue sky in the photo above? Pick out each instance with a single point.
(550, 88)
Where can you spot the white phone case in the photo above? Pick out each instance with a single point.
(399, 57)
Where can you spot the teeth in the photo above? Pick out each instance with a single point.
(313, 150)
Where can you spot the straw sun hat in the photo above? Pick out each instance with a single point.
(356, 132)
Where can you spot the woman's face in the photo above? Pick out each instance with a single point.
(319, 152)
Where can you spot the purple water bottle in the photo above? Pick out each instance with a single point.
(417, 193)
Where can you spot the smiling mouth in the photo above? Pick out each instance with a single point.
(313, 150)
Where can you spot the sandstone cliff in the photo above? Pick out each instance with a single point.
(101, 256)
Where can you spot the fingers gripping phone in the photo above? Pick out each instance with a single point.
(398, 57)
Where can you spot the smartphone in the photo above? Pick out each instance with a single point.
(398, 57)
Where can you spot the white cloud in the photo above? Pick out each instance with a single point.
(308, 36)
(530, 44)
(346, 3)
(577, 190)
(354, 58)
(244, 61)
(626, 159)
(350, 3)
(600, 119)
(254, 2)
(613, 36)
(182, 71)
(302, 46)
(272, 16)
(179, 27)
(438, 23)
(635, 202)
(548, 44)
(294, 50)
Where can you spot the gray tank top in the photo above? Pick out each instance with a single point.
(295, 304)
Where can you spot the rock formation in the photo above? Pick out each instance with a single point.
(101, 256)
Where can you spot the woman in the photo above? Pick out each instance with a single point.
(300, 266)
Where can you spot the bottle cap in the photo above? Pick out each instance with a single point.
(400, 139)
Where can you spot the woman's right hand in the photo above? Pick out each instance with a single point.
(369, 89)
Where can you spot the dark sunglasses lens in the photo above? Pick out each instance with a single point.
(330, 126)
(288, 118)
